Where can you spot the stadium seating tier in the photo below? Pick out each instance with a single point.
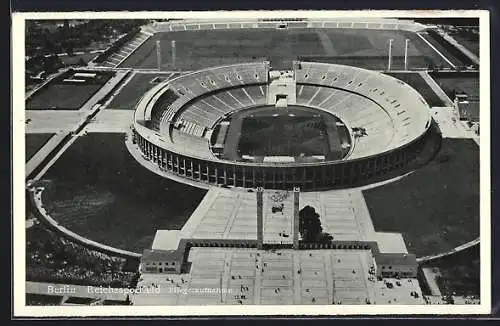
(186, 108)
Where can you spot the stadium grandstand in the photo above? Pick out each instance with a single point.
(384, 122)
(362, 23)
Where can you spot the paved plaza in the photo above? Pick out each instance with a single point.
(451, 126)
(284, 276)
(274, 277)
(51, 121)
(232, 214)
(111, 121)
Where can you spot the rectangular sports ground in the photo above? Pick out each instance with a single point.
(461, 83)
(61, 94)
(295, 132)
(417, 82)
(132, 92)
(287, 136)
(206, 48)
(458, 82)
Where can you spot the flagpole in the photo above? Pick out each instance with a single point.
(158, 55)
(173, 53)
(389, 63)
(406, 54)
(221, 300)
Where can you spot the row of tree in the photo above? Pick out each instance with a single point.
(50, 258)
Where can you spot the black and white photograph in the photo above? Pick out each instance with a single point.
(292, 162)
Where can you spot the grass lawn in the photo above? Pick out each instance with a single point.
(133, 91)
(34, 142)
(60, 95)
(463, 82)
(268, 131)
(459, 273)
(416, 81)
(285, 136)
(205, 48)
(437, 207)
(99, 191)
(451, 83)
(69, 60)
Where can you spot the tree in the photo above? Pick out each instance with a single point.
(66, 27)
(69, 47)
(324, 237)
(50, 46)
(310, 227)
(309, 224)
(52, 63)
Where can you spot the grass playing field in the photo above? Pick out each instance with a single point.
(416, 81)
(295, 132)
(199, 49)
(133, 91)
(60, 95)
(99, 191)
(437, 207)
(283, 136)
(463, 82)
(34, 142)
(74, 59)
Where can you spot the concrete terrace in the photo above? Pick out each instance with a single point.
(281, 276)
(232, 214)
(450, 125)
(111, 121)
(251, 276)
(51, 121)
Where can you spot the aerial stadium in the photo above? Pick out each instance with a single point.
(197, 148)
(353, 124)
